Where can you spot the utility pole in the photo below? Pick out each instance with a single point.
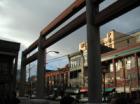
(22, 76)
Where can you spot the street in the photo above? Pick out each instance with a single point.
(25, 100)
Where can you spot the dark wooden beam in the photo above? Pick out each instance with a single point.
(115, 10)
(109, 13)
(31, 47)
(66, 30)
(31, 58)
(65, 15)
(94, 57)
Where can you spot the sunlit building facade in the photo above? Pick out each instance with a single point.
(56, 79)
(122, 68)
(78, 66)
(116, 40)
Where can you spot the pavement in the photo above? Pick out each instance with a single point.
(26, 100)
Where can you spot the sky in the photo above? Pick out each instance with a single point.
(22, 21)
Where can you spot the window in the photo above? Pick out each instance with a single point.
(139, 61)
(128, 41)
(111, 67)
(118, 65)
(138, 38)
(74, 74)
(133, 62)
(128, 63)
(3, 68)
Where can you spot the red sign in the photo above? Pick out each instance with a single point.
(84, 90)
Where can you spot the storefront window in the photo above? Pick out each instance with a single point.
(118, 65)
(111, 67)
(128, 63)
(139, 61)
(133, 62)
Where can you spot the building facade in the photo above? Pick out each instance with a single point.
(122, 68)
(56, 79)
(78, 66)
(116, 40)
(75, 78)
(8, 66)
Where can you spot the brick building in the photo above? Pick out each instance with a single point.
(122, 68)
(56, 79)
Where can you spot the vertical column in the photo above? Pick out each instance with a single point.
(15, 72)
(124, 76)
(94, 57)
(41, 69)
(82, 69)
(103, 76)
(137, 68)
(22, 76)
(114, 72)
(66, 77)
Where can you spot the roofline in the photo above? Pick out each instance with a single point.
(119, 52)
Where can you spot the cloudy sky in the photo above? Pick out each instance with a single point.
(22, 21)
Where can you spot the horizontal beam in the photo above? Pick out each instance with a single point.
(65, 15)
(66, 30)
(31, 47)
(31, 58)
(109, 13)
(115, 10)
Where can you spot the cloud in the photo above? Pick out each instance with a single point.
(25, 19)
(125, 23)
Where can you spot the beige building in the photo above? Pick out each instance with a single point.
(117, 40)
(78, 66)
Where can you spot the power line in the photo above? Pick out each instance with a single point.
(118, 40)
(57, 58)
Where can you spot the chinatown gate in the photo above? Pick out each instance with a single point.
(94, 19)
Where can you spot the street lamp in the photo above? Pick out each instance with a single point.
(53, 51)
